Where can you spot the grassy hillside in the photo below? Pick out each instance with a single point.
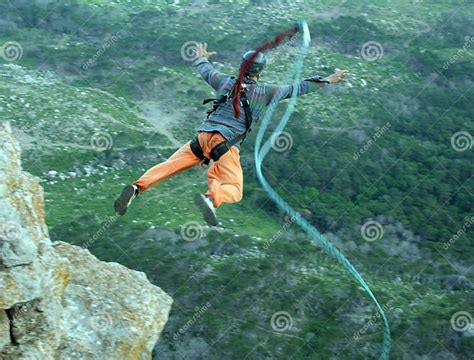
(102, 92)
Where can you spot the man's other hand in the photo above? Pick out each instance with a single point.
(337, 76)
(201, 51)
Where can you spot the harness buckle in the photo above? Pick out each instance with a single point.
(205, 163)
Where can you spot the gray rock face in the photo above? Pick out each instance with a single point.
(58, 300)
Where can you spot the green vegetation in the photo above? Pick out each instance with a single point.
(101, 93)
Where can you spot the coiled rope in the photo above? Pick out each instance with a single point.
(262, 150)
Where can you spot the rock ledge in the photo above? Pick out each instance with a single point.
(58, 300)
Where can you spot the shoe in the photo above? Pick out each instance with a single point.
(126, 197)
(207, 209)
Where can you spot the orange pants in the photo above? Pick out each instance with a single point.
(225, 178)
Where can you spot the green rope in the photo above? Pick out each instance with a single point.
(261, 152)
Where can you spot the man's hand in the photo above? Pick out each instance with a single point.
(337, 76)
(201, 51)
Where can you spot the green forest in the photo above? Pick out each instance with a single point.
(99, 91)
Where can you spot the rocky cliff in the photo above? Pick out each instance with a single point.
(58, 300)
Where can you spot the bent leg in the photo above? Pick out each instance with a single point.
(181, 160)
(225, 179)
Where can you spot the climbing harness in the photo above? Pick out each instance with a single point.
(261, 151)
(221, 148)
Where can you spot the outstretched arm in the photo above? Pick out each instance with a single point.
(207, 71)
(282, 92)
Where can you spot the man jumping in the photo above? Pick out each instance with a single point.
(221, 133)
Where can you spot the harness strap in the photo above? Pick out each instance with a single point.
(204, 102)
(248, 114)
(216, 152)
(197, 150)
(215, 103)
(221, 148)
